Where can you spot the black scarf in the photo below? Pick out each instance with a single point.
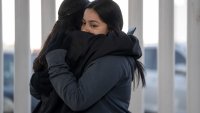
(83, 48)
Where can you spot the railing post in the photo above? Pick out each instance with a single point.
(135, 19)
(193, 55)
(1, 61)
(48, 17)
(22, 57)
(166, 57)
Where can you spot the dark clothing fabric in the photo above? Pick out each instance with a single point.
(51, 104)
(85, 48)
(99, 76)
(40, 81)
(104, 87)
(88, 69)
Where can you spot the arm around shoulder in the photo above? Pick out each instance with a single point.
(96, 81)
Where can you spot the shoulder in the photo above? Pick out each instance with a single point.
(112, 60)
(117, 60)
(114, 63)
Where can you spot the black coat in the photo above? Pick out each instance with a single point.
(85, 48)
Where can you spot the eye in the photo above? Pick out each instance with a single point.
(94, 25)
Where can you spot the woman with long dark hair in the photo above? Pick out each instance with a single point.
(69, 19)
(93, 70)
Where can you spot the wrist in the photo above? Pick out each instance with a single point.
(56, 57)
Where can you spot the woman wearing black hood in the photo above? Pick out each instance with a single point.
(100, 65)
(69, 18)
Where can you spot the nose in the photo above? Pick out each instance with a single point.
(84, 28)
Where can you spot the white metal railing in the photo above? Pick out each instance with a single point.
(136, 19)
(166, 57)
(22, 57)
(165, 53)
(1, 61)
(193, 56)
(48, 17)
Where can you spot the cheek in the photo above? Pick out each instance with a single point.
(95, 32)
(100, 31)
(82, 28)
(103, 30)
(92, 31)
(106, 31)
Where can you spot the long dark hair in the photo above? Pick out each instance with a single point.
(111, 14)
(69, 18)
(40, 63)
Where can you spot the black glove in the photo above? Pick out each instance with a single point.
(41, 83)
(56, 42)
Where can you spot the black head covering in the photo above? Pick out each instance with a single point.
(69, 7)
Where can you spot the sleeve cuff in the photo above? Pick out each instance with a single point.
(56, 57)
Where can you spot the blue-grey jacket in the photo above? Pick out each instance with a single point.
(104, 87)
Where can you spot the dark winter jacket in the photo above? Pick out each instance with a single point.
(99, 81)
